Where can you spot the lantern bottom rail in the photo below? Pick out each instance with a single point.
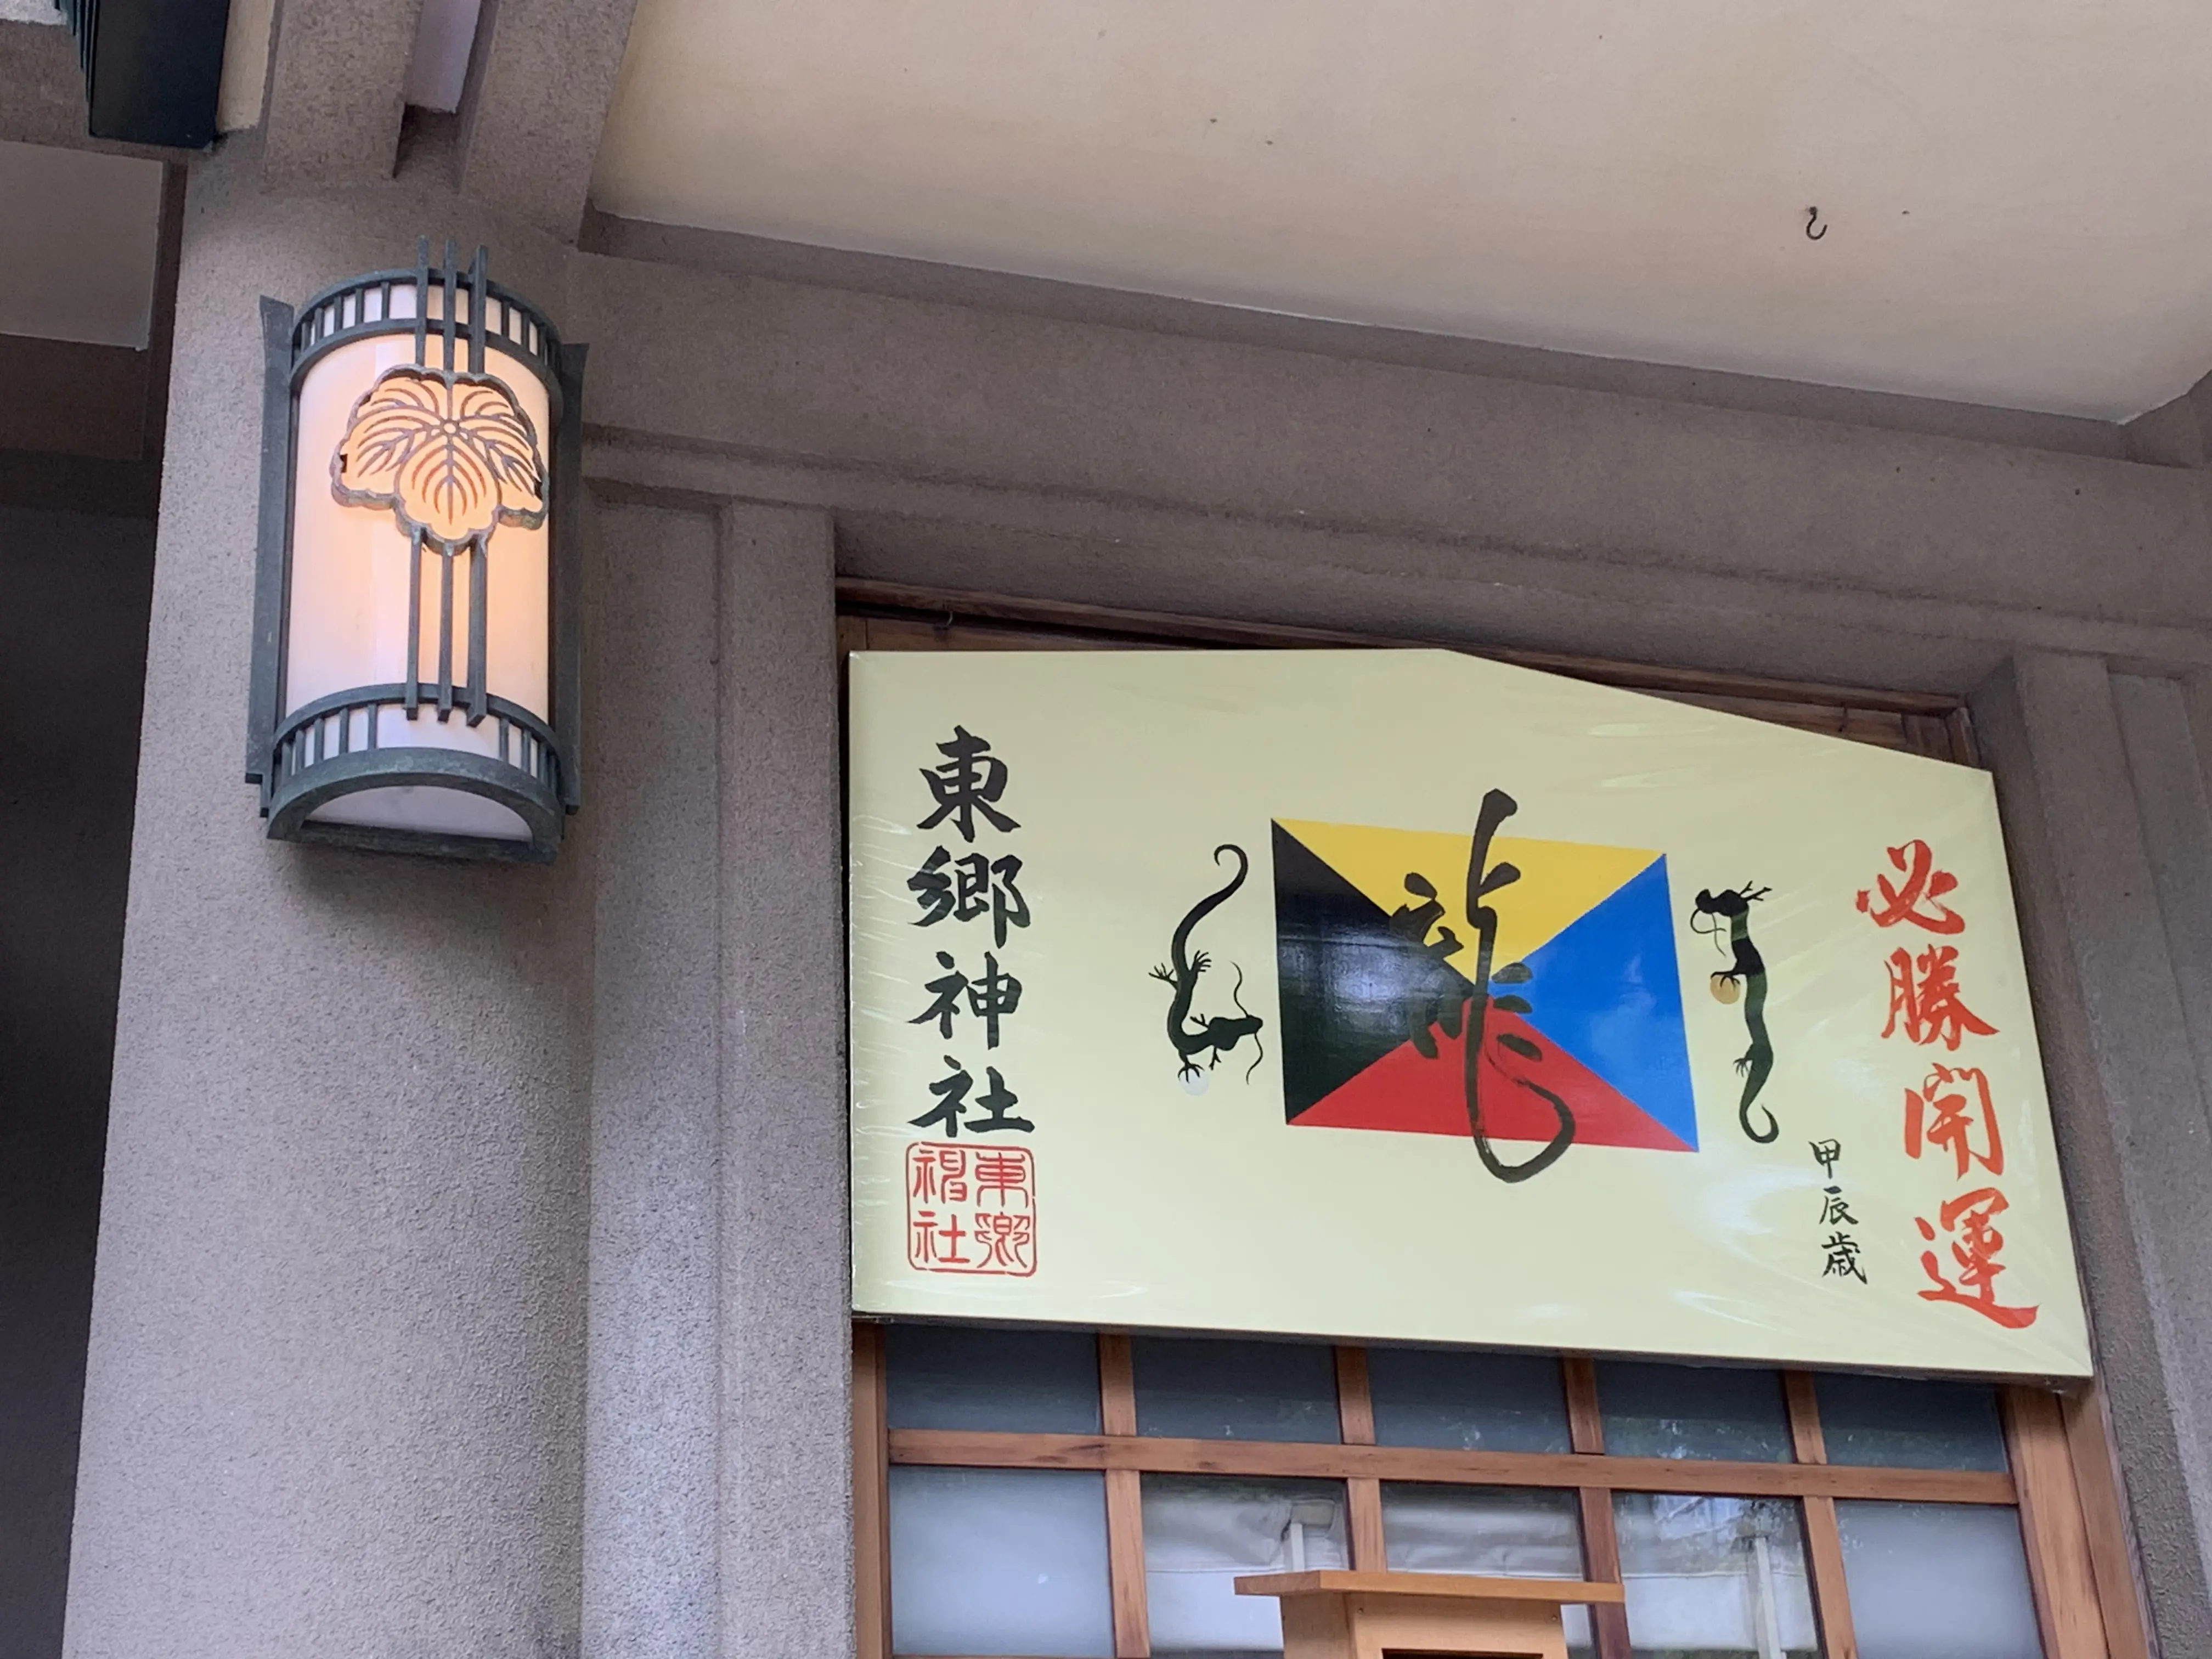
(315, 760)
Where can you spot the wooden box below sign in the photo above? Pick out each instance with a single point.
(1373, 1615)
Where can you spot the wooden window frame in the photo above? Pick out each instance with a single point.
(2062, 1479)
(2058, 1529)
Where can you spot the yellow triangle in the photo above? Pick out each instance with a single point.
(1560, 880)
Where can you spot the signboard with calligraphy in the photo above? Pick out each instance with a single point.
(1403, 995)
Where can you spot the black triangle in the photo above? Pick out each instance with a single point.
(1344, 977)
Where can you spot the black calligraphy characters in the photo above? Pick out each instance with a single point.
(961, 890)
(952, 1092)
(1746, 978)
(967, 785)
(1841, 1250)
(990, 996)
(1192, 1035)
(1436, 1001)
(1441, 997)
(965, 789)
(1484, 879)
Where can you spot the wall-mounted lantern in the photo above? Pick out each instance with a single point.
(415, 640)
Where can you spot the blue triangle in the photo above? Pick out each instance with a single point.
(1606, 989)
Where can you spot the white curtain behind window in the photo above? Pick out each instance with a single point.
(1202, 1534)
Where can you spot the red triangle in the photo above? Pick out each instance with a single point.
(1406, 1093)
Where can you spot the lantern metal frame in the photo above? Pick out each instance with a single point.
(306, 758)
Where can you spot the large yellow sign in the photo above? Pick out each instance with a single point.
(1402, 995)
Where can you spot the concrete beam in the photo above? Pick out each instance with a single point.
(1111, 416)
(540, 84)
(335, 92)
(734, 253)
(2176, 433)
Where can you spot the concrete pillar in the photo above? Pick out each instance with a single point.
(2127, 1096)
(650, 1444)
(333, 1407)
(786, 1542)
(2156, 724)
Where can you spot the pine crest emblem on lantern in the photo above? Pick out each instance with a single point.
(454, 455)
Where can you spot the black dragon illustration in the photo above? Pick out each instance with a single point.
(1194, 1036)
(1746, 976)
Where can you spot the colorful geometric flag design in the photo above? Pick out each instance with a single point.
(1592, 925)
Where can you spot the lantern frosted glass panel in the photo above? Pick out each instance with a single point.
(1000, 1561)
(408, 596)
(1715, 1576)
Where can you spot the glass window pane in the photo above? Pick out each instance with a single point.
(1202, 1531)
(1467, 1402)
(954, 1377)
(1937, 1581)
(1215, 1390)
(1515, 1532)
(1510, 1532)
(1000, 1561)
(1896, 1422)
(1715, 1576)
(1694, 1411)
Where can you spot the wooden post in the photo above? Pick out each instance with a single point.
(871, 1509)
(2097, 1479)
(1823, 1540)
(1601, 1541)
(1363, 1494)
(1125, 1503)
(2058, 1560)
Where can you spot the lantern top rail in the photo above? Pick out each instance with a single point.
(321, 325)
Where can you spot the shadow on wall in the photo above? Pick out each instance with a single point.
(75, 596)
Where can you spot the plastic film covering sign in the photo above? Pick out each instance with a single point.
(1407, 996)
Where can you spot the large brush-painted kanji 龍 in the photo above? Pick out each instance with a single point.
(1592, 927)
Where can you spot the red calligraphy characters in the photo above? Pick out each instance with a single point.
(970, 1210)
(1942, 1113)
(1953, 1111)
(1915, 901)
(1924, 1002)
(1970, 1218)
